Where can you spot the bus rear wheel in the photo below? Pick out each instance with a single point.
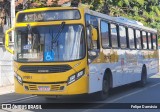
(143, 80)
(102, 95)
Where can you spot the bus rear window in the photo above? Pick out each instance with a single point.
(50, 15)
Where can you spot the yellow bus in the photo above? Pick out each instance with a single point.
(74, 50)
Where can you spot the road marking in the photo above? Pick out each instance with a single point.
(25, 98)
(125, 96)
(112, 101)
(153, 85)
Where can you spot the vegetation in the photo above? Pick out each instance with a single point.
(145, 11)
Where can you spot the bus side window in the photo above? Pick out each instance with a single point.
(154, 40)
(149, 40)
(91, 21)
(138, 39)
(92, 44)
(114, 38)
(144, 37)
(95, 42)
(123, 38)
(105, 34)
(131, 38)
(92, 41)
(89, 38)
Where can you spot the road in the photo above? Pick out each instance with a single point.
(125, 94)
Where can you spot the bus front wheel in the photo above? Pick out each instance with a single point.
(102, 95)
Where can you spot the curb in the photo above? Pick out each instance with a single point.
(156, 76)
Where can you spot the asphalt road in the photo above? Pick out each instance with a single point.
(126, 94)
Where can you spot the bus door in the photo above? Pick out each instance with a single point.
(92, 37)
(93, 53)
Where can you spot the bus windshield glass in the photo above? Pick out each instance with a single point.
(50, 15)
(43, 45)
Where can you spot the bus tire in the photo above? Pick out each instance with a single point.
(103, 95)
(143, 80)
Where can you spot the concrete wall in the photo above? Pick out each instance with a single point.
(6, 68)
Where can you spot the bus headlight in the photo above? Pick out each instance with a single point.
(19, 79)
(75, 77)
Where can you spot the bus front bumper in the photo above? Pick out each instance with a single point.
(62, 88)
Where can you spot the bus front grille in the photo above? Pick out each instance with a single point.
(56, 87)
(33, 87)
(45, 68)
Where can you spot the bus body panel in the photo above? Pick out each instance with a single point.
(125, 65)
(34, 80)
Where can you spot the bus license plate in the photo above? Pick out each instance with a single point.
(43, 88)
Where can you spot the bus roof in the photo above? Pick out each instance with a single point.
(120, 20)
(126, 20)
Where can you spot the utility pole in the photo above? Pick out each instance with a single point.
(12, 16)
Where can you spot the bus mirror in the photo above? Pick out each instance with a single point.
(7, 39)
(94, 34)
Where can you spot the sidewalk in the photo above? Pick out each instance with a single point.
(6, 89)
(156, 76)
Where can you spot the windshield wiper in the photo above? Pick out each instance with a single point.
(54, 40)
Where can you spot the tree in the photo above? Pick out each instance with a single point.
(144, 11)
(4, 11)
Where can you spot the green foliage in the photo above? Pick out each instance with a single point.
(145, 11)
(41, 3)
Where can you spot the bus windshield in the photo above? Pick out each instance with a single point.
(39, 45)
